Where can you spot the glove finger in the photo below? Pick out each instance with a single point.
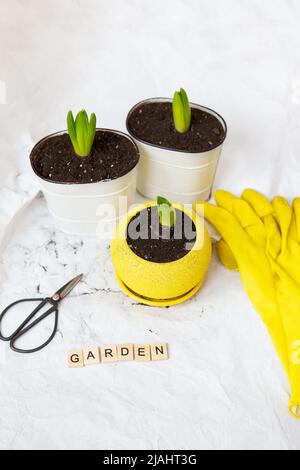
(225, 200)
(226, 224)
(259, 203)
(226, 256)
(250, 221)
(296, 206)
(244, 213)
(283, 214)
(293, 234)
(273, 236)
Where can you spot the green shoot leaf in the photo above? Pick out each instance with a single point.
(181, 111)
(166, 212)
(71, 128)
(92, 127)
(186, 107)
(82, 132)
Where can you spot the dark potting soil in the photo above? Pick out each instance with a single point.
(153, 123)
(112, 156)
(152, 242)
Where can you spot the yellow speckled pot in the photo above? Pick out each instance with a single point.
(161, 284)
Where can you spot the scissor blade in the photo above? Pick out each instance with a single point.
(66, 289)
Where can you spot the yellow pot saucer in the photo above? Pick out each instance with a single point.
(158, 303)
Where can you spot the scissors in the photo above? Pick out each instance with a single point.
(27, 326)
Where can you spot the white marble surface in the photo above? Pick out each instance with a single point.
(223, 386)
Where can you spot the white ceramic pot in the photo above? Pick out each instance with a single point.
(89, 208)
(176, 175)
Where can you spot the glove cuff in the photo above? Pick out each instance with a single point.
(294, 408)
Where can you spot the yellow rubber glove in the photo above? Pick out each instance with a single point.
(244, 233)
(283, 250)
(289, 301)
(274, 229)
(289, 223)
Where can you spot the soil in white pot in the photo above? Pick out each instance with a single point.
(153, 123)
(112, 156)
(152, 242)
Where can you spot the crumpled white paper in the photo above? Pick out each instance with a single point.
(223, 386)
(15, 196)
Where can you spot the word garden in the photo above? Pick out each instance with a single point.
(117, 353)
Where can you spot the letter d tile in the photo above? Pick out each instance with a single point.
(125, 352)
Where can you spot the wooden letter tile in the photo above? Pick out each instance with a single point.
(125, 352)
(75, 358)
(142, 352)
(159, 351)
(109, 353)
(91, 356)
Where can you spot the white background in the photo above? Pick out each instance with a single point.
(223, 386)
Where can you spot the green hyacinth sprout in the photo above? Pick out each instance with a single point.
(166, 212)
(181, 111)
(82, 132)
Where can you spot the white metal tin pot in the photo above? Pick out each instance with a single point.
(89, 208)
(179, 176)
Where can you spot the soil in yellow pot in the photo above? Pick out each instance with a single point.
(155, 280)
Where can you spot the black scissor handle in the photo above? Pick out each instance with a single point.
(24, 327)
(8, 338)
(22, 332)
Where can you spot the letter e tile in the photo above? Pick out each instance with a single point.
(142, 352)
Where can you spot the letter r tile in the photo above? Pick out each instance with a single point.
(109, 353)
